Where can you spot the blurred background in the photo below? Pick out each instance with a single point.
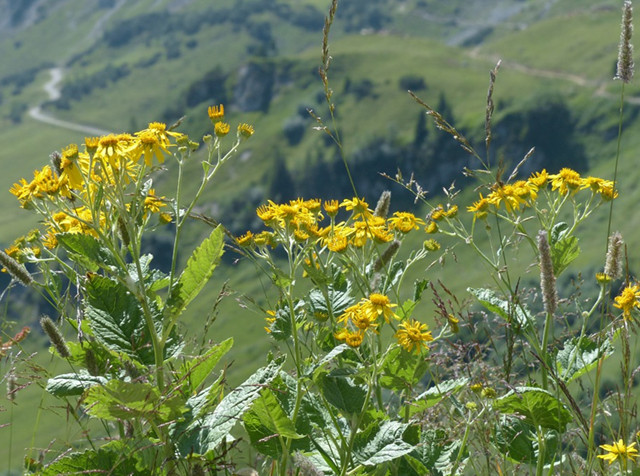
(76, 68)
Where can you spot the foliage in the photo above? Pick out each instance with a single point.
(359, 382)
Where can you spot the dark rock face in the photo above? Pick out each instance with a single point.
(254, 87)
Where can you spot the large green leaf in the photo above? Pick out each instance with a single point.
(199, 269)
(340, 390)
(538, 407)
(518, 441)
(267, 422)
(402, 370)
(195, 371)
(381, 443)
(335, 302)
(202, 434)
(510, 312)
(113, 458)
(67, 385)
(117, 320)
(131, 400)
(86, 251)
(579, 355)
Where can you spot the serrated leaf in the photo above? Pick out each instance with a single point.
(419, 287)
(336, 351)
(200, 267)
(381, 443)
(402, 370)
(86, 250)
(110, 459)
(131, 400)
(205, 434)
(117, 321)
(538, 407)
(67, 385)
(195, 371)
(338, 301)
(518, 441)
(563, 252)
(508, 311)
(266, 423)
(342, 392)
(579, 356)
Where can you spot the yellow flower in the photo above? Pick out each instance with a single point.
(246, 239)
(216, 113)
(405, 222)
(479, 208)
(539, 179)
(221, 129)
(565, 180)
(153, 203)
(69, 166)
(413, 335)
(378, 304)
(331, 207)
(149, 145)
(358, 206)
(270, 320)
(437, 213)
(627, 300)
(337, 241)
(431, 228)
(431, 245)
(352, 338)
(245, 130)
(619, 449)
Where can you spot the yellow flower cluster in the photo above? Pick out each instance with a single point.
(300, 220)
(366, 315)
(523, 193)
(78, 177)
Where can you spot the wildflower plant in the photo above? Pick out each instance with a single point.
(129, 366)
(363, 380)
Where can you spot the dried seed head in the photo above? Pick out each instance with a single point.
(613, 264)
(547, 278)
(57, 341)
(15, 269)
(625, 65)
(12, 387)
(389, 253)
(382, 207)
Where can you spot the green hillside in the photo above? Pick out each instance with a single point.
(128, 63)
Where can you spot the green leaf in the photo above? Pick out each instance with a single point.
(381, 443)
(341, 391)
(117, 321)
(195, 371)
(336, 351)
(518, 441)
(563, 252)
(579, 356)
(201, 435)
(131, 400)
(436, 393)
(338, 301)
(113, 458)
(67, 385)
(419, 288)
(86, 251)
(538, 407)
(505, 309)
(266, 423)
(199, 269)
(405, 311)
(402, 370)
(438, 453)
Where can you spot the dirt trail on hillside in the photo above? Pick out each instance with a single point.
(600, 87)
(52, 88)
